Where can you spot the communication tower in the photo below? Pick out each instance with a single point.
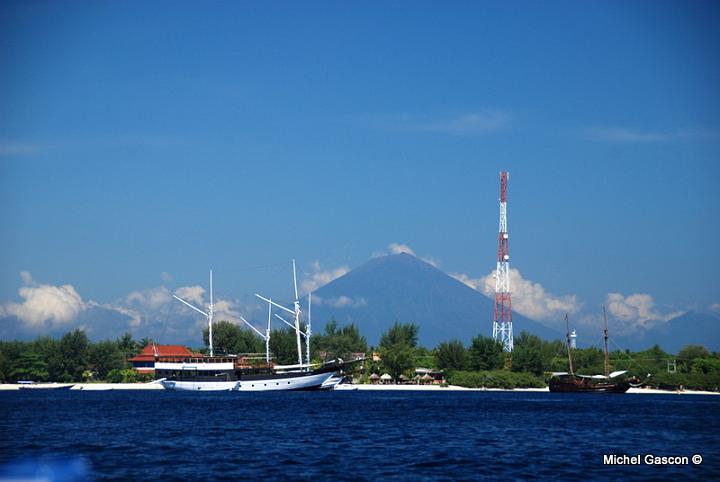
(502, 320)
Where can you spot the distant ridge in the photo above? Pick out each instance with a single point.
(402, 287)
(691, 328)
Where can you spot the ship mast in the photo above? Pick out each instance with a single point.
(296, 312)
(296, 304)
(605, 336)
(208, 315)
(502, 319)
(308, 330)
(569, 347)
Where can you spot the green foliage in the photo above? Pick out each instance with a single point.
(691, 381)
(707, 366)
(527, 354)
(688, 355)
(127, 346)
(103, 357)
(71, 359)
(283, 345)
(495, 379)
(30, 366)
(485, 354)
(452, 356)
(398, 348)
(401, 334)
(125, 375)
(337, 341)
(229, 338)
(589, 361)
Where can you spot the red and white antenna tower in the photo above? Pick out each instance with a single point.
(502, 320)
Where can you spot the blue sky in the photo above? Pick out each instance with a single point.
(138, 139)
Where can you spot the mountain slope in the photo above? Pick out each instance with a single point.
(691, 328)
(404, 288)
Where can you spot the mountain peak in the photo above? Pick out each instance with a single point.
(402, 287)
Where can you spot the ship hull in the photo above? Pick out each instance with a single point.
(583, 385)
(299, 381)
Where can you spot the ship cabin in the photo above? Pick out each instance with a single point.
(144, 362)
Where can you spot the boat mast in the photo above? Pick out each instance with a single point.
(296, 313)
(267, 335)
(569, 348)
(308, 330)
(210, 315)
(297, 316)
(605, 336)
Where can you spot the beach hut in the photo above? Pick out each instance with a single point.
(374, 378)
(402, 379)
(386, 379)
(426, 379)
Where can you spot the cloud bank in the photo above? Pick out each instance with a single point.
(529, 298)
(319, 277)
(635, 312)
(46, 309)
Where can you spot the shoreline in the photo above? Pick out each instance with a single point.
(453, 388)
(344, 387)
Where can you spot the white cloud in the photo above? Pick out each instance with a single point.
(528, 298)
(191, 294)
(320, 277)
(480, 122)
(617, 134)
(9, 148)
(715, 307)
(635, 312)
(48, 309)
(397, 248)
(471, 123)
(152, 298)
(622, 134)
(227, 310)
(341, 302)
(26, 277)
(56, 305)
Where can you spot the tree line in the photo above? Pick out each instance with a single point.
(481, 363)
(72, 358)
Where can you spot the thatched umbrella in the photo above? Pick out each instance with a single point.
(426, 378)
(374, 378)
(385, 378)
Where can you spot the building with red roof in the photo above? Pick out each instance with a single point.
(144, 362)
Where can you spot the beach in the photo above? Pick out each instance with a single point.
(344, 387)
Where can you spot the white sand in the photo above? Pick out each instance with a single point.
(451, 388)
(344, 387)
(85, 386)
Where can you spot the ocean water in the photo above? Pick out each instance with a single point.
(353, 435)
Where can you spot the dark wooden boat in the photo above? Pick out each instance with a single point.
(615, 382)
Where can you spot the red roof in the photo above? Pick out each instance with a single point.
(152, 351)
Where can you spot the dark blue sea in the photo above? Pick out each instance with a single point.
(360, 435)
